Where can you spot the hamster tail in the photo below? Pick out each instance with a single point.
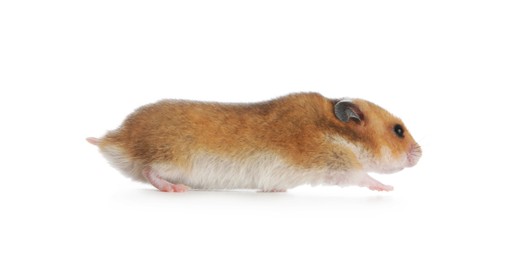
(93, 140)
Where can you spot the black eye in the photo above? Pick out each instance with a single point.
(399, 131)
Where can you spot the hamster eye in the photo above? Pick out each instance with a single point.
(399, 131)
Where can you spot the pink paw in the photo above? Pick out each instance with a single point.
(170, 187)
(381, 188)
(372, 184)
(162, 184)
(179, 188)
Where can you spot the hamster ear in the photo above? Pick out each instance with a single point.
(346, 110)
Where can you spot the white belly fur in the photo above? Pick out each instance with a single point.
(264, 171)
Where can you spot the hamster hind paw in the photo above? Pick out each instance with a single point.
(162, 184)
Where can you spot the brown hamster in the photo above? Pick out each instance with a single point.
(275, 145)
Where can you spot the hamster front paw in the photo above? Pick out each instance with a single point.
(373, 184)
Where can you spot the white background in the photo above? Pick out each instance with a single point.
(73, 69)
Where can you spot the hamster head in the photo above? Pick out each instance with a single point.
(380, 141)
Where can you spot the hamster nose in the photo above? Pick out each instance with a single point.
(414, 154)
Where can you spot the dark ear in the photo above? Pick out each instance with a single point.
(346, 110)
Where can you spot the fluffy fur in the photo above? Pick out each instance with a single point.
(273, 145)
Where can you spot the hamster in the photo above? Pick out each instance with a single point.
(271, 146)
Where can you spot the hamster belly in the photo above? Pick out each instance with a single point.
(264, 171)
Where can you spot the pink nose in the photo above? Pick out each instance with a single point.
(414, 154)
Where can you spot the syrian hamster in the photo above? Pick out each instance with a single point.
(302, 138)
